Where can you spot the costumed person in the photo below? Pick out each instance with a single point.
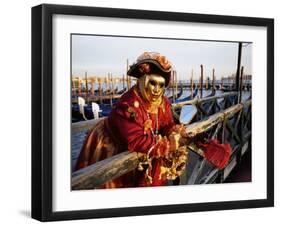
(140, 122)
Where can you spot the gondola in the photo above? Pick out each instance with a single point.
(106, 109)
(78, 116)
(178, 95)
(190, 97)
(206, 105)
(105, 106)
(213, 93)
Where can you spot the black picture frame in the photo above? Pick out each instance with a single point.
(42, 84)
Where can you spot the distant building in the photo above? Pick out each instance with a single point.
(247, 79)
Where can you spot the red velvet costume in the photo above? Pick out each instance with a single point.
(127, 128)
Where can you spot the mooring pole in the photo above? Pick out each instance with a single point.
(113, 84)
(93, 86)
(238, 67)
(127, 76)
(123, 82)
(173, 88)
(191, 84)
(213, 85)
(201, 82)
(73, 86)
(78, 86)
(107, 84)
(86, 78)
(241, 84)
(111, 92)
(100, 90)
(176, 81)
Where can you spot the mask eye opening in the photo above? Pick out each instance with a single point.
(151, 82)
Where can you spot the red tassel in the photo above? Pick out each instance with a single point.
(216, 153)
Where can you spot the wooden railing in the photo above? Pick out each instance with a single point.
(231, 125)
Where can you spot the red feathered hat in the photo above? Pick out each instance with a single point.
(151, 63)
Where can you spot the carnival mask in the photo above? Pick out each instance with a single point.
(152, 87)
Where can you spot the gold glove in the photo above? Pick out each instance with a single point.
(174, 139)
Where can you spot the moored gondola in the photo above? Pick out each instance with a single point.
(178, 95)
(190, 97)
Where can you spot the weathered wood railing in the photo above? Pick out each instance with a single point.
(230, 125)
(105, 170)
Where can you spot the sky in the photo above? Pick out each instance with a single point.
(100, 55)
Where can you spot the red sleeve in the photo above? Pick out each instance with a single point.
(127, 123)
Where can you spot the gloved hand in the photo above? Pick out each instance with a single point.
(174, 139)
(180, 129)
(161, 148)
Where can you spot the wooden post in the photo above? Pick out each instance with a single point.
(107, 84)
(93, 86)
(123, 81)
(73, 86)
(201, 82)
(176, 83)
(213, 85)
(191, 83)
(79, 86)
(100, 90)
(238, 66)
(127, 78)
(108, 89)
(86, 81)
(113, 85)
(173, 88)
(241, 84)
(111, 88)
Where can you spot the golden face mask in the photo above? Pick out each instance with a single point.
(155, 87)
(152, 88)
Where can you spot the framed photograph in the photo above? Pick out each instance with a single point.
(145, 112)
